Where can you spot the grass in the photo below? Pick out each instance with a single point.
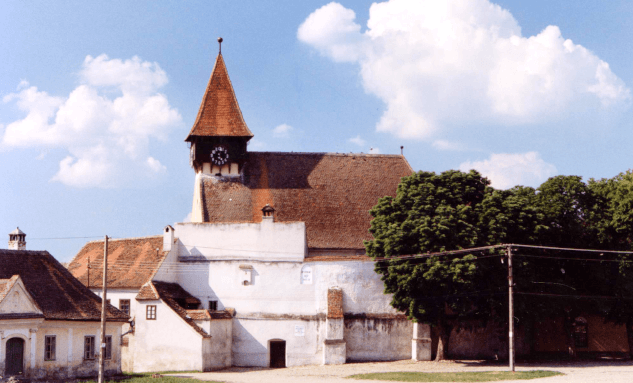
(147, 378)
(484, 376)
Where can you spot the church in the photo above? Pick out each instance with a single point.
(271, 271)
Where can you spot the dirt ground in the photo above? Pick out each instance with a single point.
(585, 372)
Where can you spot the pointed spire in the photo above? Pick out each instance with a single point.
(219, 113)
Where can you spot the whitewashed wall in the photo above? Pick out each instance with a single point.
(69, 361)
(167, 343)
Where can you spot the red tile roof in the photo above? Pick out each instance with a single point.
(58, 294)
(175, 297)
(219, 113)
(331, 193)
(131, 262)
(206, 315)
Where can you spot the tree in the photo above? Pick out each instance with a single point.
(436, 213)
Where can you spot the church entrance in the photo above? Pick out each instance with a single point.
(15, 357)
(277, 353)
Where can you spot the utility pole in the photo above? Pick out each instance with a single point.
(511, 310)
(102, 347)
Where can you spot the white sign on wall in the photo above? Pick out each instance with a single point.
(300, 330)
(306, 275)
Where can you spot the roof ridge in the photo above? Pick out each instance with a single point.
(334, 154)
(124, 239)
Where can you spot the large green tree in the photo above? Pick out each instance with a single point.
(440, 212)
(455, 210)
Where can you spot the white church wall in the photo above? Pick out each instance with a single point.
(217, 350)
(242, 241)
(252, 336)
(377, 338)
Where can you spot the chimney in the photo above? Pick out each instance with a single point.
(168, 238)
(17, 240)
(268, 213)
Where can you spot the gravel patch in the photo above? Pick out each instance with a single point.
(584, 371)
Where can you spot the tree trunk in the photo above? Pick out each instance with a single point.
(444, 332)
(569, 331)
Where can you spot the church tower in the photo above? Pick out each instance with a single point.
(219, 135)
(218, 138)
(17, 240)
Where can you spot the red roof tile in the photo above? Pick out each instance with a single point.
(331, 193)
(205, 315)
(132, 262)
(57, 293)
(219, 113)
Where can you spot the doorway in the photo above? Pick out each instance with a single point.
(277, 353)
(15, 357)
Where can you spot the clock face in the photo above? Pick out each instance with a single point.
(219, 155)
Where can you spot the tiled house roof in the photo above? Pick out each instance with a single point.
(219, 113)
(131, 262)
(331, 193)
(175, 297)
(58, 294)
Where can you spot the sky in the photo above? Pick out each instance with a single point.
(96, 98)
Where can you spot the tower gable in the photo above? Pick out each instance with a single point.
(219, 114)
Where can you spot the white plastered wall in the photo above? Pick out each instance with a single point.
(69, 338)
(167, 343)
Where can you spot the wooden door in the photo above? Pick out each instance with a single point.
(277, 353)
(15, 357)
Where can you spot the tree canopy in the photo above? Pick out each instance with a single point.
(456, 210)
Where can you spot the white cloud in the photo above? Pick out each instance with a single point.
(282, 131)
(105, 123)
(357, 140)
(505, 170)
(437, 63)
(447, 145)
(255, 144)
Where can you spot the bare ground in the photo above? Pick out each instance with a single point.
(582, 371)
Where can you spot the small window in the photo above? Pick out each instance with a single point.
(108, 348)
(124, 305)
(49, 347)
(89, 347)
(580, 332)
(213, 305)
(151, 312)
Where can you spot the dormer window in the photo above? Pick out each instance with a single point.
(268, 211)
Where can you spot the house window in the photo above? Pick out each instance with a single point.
(151, 312)
(124, 305)
(580, 332)
(89, 347)
(108, 348)
(49, 347)
(213, 305)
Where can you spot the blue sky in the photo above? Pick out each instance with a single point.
(97, 98)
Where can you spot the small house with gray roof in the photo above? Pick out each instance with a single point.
(50, 323)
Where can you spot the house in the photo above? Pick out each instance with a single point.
(272, 269)
(50, 323)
